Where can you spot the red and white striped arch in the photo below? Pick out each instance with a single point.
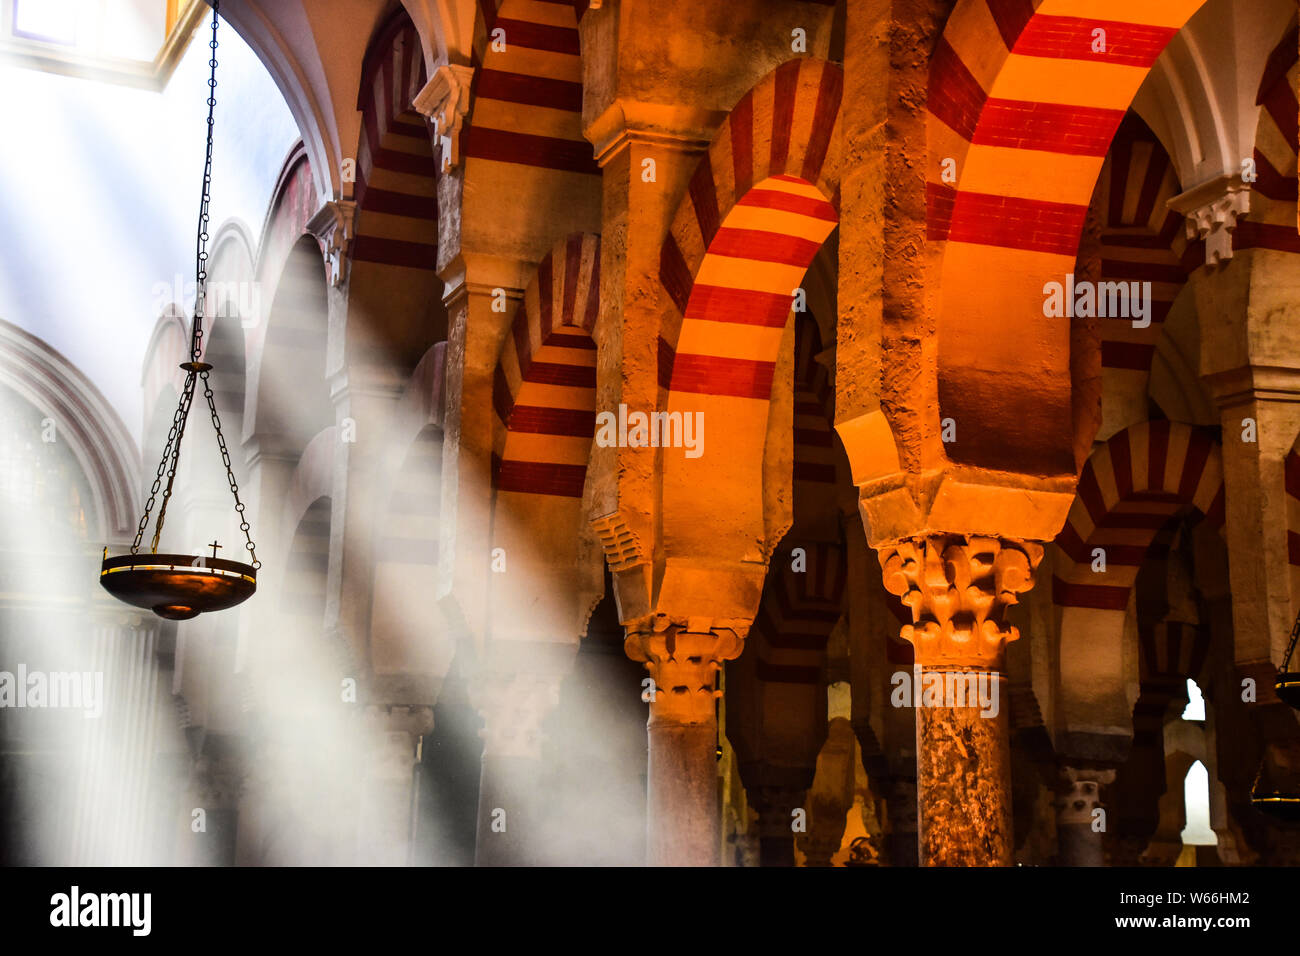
(1027, 110)
(544, 393)
(1130, 490)
(1272, 222)
(528, 97)
(396, 188)
(760, 204)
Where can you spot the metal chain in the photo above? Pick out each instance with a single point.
(1290, 648)
(201, 241)
(172, 450)
(177, 425)
(230, 474)
(187, 398)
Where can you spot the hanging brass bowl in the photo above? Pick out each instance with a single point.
(1288, 688)
(177, 586)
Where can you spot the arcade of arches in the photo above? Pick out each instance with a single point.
(652, 411)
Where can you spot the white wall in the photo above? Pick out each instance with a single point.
(99, 190)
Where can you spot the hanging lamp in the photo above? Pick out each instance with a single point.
(182, 586)
(1288, 681)
(1281, 803)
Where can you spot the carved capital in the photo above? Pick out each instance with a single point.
(445, 101)
(958, 588)
(334, 225)
(514, 707)
(683, 665)
(1212, 210)
(1079, 793)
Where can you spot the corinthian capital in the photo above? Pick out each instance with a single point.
(1079, 793)
(683, 665)
(958, 588)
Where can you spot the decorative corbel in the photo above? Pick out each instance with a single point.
(445, 102)
(1212, 210)
(334, 225)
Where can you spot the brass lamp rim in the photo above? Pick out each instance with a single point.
(1287, 688)
(1280, 806)
(178, 586)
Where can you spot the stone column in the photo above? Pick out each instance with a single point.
(511, 822)
(1260, 412)
(831, 795)
(1078, 833)
(958, 588)
(475, 288)
(901, 835)
(216, 786)
(683, 827)
(364, 403)
(386, 818)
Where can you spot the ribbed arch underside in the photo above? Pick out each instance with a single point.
(1142, 240)
(1026, 102)
(1173, 651)
(544, 393)
(815, 455)
(797, 614)
(1292, 471)
(1272, 222)
(1130, 492)
(396, 185)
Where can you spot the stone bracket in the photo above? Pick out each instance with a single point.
(620, 543)
(445, 102)
(1212, 210)
(334, 226)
